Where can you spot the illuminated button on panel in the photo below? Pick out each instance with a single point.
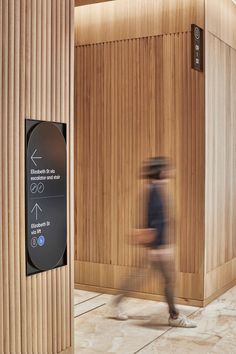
(41, 240)
(34, 242)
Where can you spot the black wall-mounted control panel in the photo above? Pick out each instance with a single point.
(197, 48)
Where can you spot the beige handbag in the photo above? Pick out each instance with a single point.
(164, 253)
(142, 237)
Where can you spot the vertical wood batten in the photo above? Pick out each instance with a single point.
(49, 284)
(1, 182)
(58, 118)
(43, 105)
(63, 117)
(39, 86)
(10, 147)
(16, 145)
(24, 306)
(53, 117)
(70, 41)
(33, 114)
(5, 110)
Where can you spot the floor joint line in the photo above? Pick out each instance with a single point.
(90, 310)
(91, 298)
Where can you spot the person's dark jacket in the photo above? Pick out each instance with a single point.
(156, 215)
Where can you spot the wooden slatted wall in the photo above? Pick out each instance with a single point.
(135, 99)
(36, 71)
(220, 147)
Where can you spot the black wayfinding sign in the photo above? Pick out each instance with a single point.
(46, 206)
(197, 48)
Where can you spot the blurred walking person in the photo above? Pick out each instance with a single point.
(160, 255)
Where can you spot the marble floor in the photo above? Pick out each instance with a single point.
(147, 331)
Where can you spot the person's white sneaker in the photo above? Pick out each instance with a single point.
(182, 321)
(117, 310)
(121, 315)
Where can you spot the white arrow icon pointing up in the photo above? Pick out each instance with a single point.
(36, 208)
(35, 157)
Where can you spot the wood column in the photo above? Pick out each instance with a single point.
(36, 81)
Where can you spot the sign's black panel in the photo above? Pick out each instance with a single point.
(46, 205)
(197, 48)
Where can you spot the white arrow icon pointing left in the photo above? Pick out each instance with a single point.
(36, 208)
(35, 157)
